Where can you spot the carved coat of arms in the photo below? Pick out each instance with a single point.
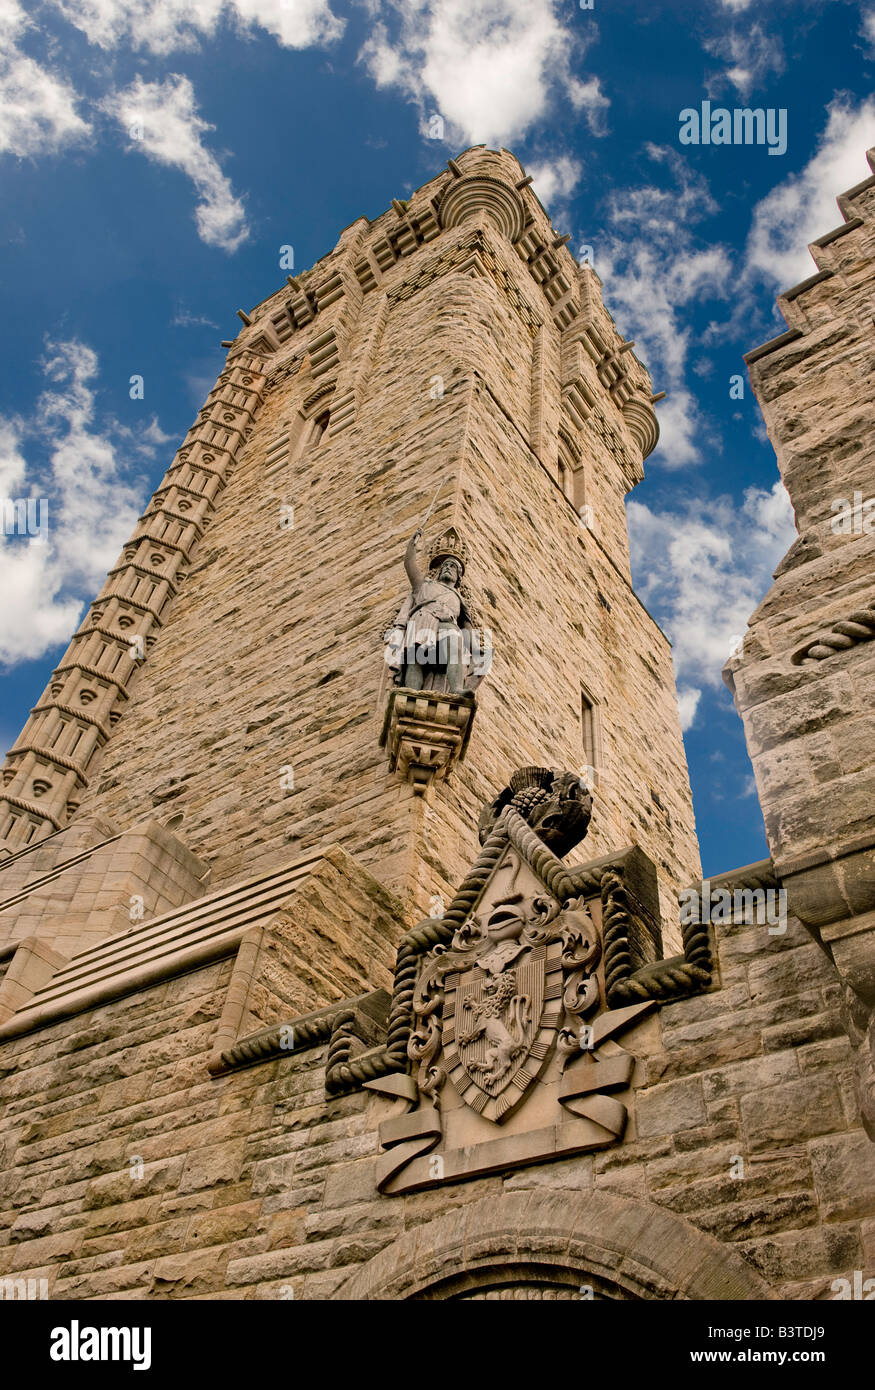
(509, 994)
(503, 986)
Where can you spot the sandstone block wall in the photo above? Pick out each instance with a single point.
(85, 884)
(804, 682)
(130, 1172)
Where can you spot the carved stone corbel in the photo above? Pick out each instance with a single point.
(425, 732)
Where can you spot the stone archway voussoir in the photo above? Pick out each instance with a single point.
(644, 1250)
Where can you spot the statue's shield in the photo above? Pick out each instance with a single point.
(499, 1028)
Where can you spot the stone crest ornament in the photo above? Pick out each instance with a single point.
(503, 1034)
(500, 1045)
(498, 1025)
(438, 654)
(502, 1015)
(518, 976)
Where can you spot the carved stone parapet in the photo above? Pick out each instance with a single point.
(425, 732)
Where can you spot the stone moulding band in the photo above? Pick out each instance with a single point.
(8, 858)
(52, 874)
(782, 340)
(33, 809)
(752, 876)
(110, 677)
(359, 1020)
(857, 627)
(49, 754)
(840, 231)
(815, 859)
(81, 714)
(807, 284)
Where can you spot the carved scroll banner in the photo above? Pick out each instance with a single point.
(585, 1080)
(406, 1137)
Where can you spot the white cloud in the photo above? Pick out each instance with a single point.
(163, 26)
(688, 703)
(680, 426)
(702, 569)
(12, 462)
(803, 207)
(589, 98)
(868, 28)
(554, 180)
(93, 505)
(145, 439)
(751, 53)
(168, 130)
(489, 67)
(652, 271)
(37, 107)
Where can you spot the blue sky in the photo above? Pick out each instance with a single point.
(155, 155)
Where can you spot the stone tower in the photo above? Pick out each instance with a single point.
(804, 680)
(334, 964)
(228, 682)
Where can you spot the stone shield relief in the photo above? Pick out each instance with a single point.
(514, 1048)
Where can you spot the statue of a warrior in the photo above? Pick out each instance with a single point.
(435, 642)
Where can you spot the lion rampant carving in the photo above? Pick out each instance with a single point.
(505, 1042)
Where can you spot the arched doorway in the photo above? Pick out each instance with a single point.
(535, 1245)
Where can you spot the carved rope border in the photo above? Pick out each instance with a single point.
(857, 627)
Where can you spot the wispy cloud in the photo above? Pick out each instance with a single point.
(162, 121)
(184, 318)
(554, 180)
(653, 271)
(751, 53)
(38, 112)
(166, 26)
(93, 496)
(702, 567)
